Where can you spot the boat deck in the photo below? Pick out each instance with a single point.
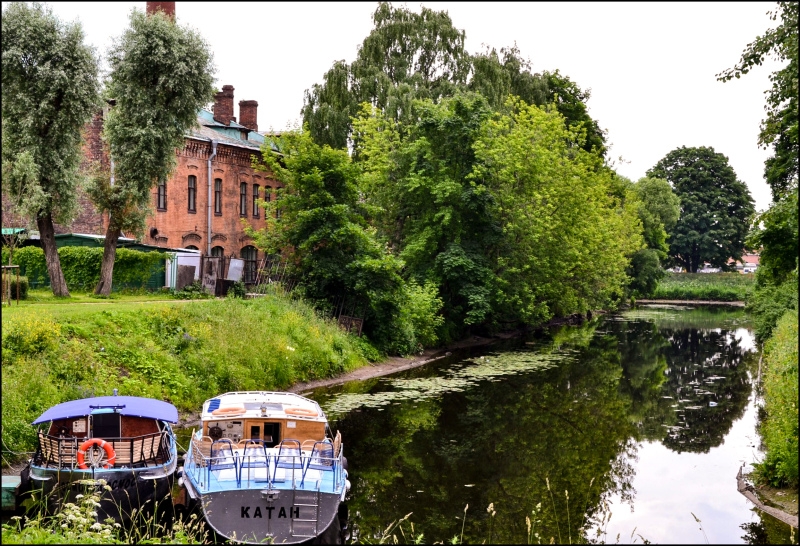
(271, 468)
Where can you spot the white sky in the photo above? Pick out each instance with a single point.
(650, 66)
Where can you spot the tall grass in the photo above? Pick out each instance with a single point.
(705, 286)
(180, 352)
(77, 523)
(780, 430)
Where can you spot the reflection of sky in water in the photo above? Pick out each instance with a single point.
(671, 486)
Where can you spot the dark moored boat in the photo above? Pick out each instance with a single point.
(125, 440)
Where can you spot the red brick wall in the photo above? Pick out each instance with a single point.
(179, 228)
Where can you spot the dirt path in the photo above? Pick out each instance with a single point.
(397, 364)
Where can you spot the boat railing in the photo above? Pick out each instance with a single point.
(135, 452)
(223, 464)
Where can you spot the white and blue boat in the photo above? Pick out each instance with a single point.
(265, 467)
(127, 441)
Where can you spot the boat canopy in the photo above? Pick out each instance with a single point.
(133, 406)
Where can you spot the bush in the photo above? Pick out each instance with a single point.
(194, 291)
(769, 302)
(237, 290)
(16, 290)
(81, 266)
(779, 429)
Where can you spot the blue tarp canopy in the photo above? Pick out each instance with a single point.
(133, 406)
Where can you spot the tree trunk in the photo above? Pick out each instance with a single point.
(47, 235)
(109, 255)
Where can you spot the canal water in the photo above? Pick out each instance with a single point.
(629, 428)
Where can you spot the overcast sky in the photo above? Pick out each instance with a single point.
(650, 66)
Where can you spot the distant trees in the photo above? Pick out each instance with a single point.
(161, 74)
(50, 89)
(716, 207)
(658, 210)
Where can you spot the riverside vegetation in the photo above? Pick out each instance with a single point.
(183, 352)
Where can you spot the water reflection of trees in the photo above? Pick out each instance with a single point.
(687, 385)
(500, 443)
(575, 426)
(707, 373)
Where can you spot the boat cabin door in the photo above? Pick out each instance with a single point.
(106, 424)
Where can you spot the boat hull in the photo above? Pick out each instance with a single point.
(257, 516)
(131, 490)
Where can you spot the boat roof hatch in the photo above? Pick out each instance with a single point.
(133, 406)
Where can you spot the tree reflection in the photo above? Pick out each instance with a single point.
(551, 444)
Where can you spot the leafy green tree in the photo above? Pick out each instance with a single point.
(565, 239)
(440, 222)
(716, 207)
(50, 89)
(322, 232)
(161, 74)
(658, 210)
(407, 56)
(496, 78)
(780, 127)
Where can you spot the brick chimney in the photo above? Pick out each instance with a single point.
(248, 114)
(223, 105)
(167, 7)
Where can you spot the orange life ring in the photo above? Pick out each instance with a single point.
(301, 411)
(107, 447)
(228, 411)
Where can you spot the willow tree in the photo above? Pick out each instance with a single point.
(161, 74)
(50, 88)
(407, 56)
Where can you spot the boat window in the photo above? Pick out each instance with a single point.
(255, 433)
(106, 425)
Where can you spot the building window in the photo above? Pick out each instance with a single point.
(267, 193)
(192, 193)
(255, 200)
(161, 204)
(249, 255)
(218, 252)
(192, 247)
(243, 199)
(217, 196)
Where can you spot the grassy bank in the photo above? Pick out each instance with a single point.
(183, 352)
(779, 429)
(705, 286)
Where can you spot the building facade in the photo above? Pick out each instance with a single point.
(213, 192)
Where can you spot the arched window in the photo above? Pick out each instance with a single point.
(249, 255)
(192, 193)
(218, 252)
(255, 200)
(191, 247)
(218, 196)
(161, 202)
(267, 193)
(242, 199)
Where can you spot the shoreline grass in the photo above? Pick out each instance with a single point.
(705, 286)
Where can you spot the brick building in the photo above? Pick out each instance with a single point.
(213, 188)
